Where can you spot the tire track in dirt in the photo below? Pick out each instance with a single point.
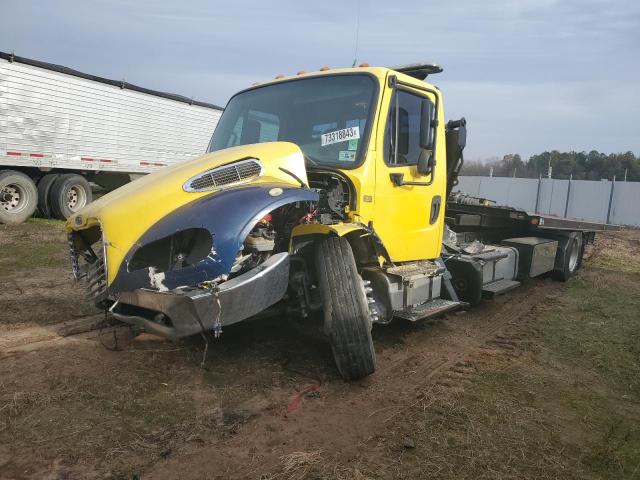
(342, 418)
(504, 324)
(33, 338)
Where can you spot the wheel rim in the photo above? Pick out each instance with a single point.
(76, 198)
(367, 292)
(574, 255)
(13, 198)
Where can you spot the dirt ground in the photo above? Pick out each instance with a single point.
(541, 383)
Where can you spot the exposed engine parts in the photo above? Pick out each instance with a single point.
(257, 247)
(335, 196)
(261, 239)
(271, 233)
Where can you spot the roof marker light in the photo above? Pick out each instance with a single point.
(325, 68)
(301, 72)
(279, 76)
(363, 65)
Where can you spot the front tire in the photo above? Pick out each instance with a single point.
(69, 194)
(18, 197)
(346, 310)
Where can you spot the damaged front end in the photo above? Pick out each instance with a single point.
(196, 246)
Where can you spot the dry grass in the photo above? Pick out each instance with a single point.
(563, 402)
(297, 465)
(313, 464)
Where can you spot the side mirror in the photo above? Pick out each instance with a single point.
(425, 162)
(427, 124)
(462, 137)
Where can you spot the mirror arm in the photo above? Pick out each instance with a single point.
(398, 180)
(397, 130)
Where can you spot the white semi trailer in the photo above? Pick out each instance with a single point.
(61, 129)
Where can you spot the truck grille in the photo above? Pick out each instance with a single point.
(96, 282)
(232, 174)
(87, 264)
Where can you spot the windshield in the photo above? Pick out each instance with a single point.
(327, 117)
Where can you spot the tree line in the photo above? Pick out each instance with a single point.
(591, 165)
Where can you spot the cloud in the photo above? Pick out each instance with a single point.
(528, 74)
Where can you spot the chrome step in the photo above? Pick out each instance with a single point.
(501, 286)
(429, 309)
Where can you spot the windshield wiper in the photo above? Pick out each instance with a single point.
(298, 179)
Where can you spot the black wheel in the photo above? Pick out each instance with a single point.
(572, 258)
(69, 193)
(44, 189)
(346, 308)
(18, 197)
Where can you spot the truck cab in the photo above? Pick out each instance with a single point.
(380, 131)
(321, 191)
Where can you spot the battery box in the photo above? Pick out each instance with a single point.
(537, 255)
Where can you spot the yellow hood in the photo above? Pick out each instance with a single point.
(127, 212)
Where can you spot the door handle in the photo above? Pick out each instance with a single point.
(436, 201)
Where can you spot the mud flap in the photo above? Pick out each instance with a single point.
(466, 276)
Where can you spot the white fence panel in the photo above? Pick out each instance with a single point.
(603, 201)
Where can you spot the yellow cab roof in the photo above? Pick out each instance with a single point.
(379, 72)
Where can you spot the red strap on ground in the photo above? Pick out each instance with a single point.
(298, 398)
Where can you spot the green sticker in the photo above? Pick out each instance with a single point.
(353, 144)
(347, 156)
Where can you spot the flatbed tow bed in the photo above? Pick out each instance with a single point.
(485, 215)
(497, 247)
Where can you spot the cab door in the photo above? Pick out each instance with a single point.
(408, 205)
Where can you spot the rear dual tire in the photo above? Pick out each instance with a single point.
(55, 196)
(44, 188)
(572, 258)
(18, 197)
(69, 194)
(347, 318)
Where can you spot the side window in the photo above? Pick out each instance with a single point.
(234, 138)
(408, 137)
(254, 127)
(269, 125)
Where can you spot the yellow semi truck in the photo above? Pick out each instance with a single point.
(320, 191)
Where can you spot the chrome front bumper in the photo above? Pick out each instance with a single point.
(191, 310)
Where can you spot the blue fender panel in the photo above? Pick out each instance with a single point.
(228, 215)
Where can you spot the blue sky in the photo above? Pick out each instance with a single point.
(529, 75)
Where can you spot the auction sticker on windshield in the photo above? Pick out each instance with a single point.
(339, 136)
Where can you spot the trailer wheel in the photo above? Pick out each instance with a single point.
(346, 309)
(44, 189)
(69, 193)
(572, 258)
(18, 197)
